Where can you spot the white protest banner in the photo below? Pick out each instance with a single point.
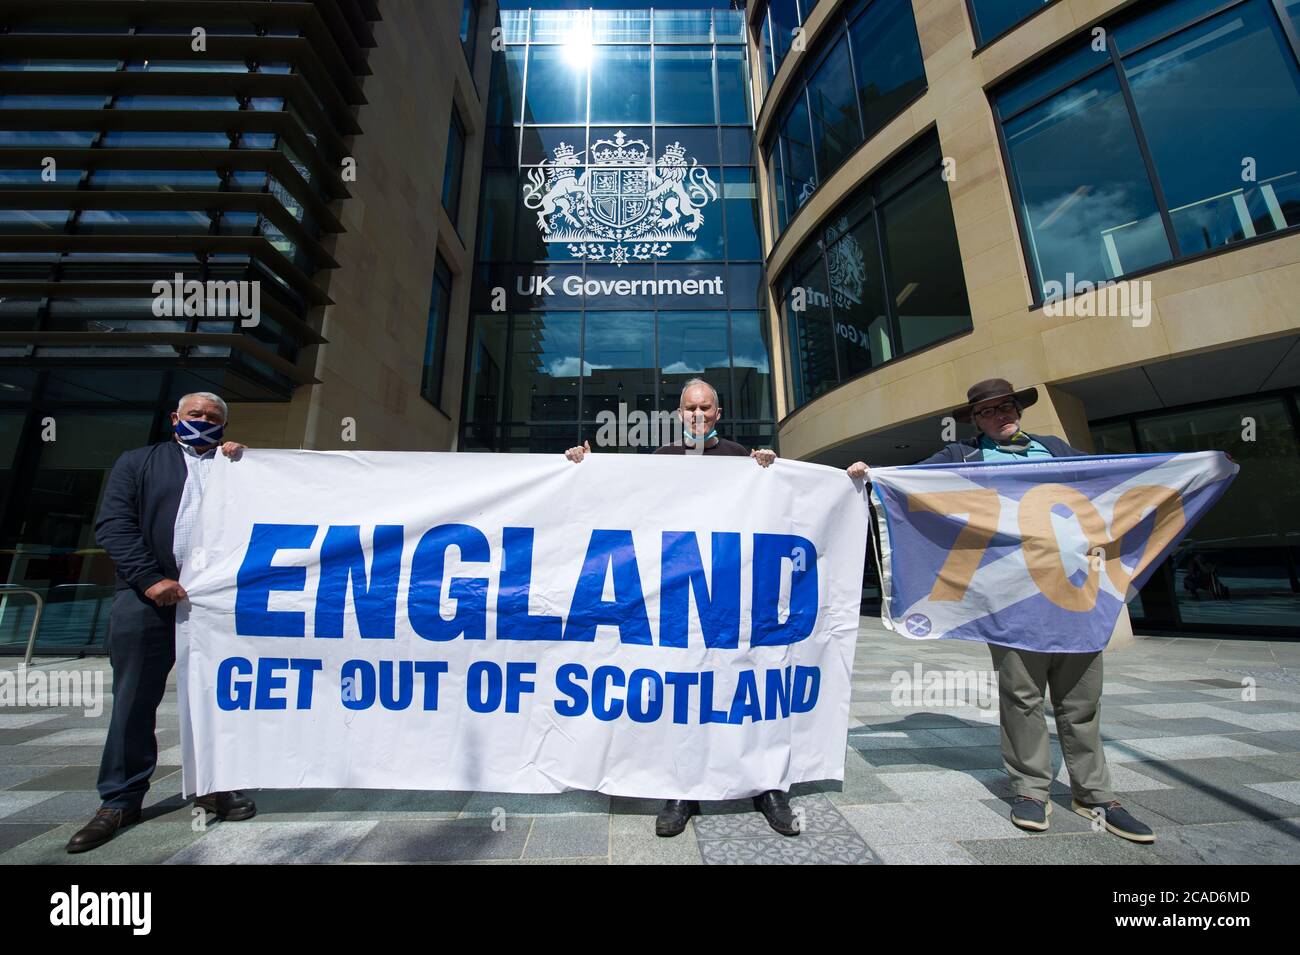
(669, 627)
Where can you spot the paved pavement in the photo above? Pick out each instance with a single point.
(1203, 737)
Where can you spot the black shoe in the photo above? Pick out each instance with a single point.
(673, 817)
(775, 807)
(1028, 813)
(230, 806)
(102, 828)
(1117, 820)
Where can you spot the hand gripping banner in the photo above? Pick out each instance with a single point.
(669, 627)
(1038, 555)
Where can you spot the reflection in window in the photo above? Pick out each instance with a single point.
(843, 315)
(923, 260)
(887, 61)
(684, 84)
(1198, 156)
(622, 92)
(750, 350)
(693, 345)
(1091, 212)
(995, 17)
(544, 367)
(557, 85)
(834, 110)
(618, 363)
(740, 199)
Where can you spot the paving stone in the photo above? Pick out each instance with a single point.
(928, 822)
(273, 843)
(925, 853)
(1090, 848)
(442, 840)
(568, 837)
(1232, 843)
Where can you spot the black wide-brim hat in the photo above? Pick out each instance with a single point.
(992, 388)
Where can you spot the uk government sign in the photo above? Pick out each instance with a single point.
(517, 623)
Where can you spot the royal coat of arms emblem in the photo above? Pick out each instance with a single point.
(624, 206)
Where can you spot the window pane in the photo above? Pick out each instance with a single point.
(693, 345)
(683, 26)
(887, 59)
(994, 17)
(454, 167)
(1091, 212)
(557, 85)
(684, 84)
(925, 273)
(733, 85)
(834, 109)
(1207, 99)
(749, 355)
(812, 338)
(740, 199)
(560, 26)
(621, 93)
(620, 26)
(497, 223)
(800, 176)
(618, 364)
(785, 18)
(858, 297)
(1238, 561)
(544, 367)
(485, 378)
(436, 333)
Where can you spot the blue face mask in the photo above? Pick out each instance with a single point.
(701, 439)
(197, 433)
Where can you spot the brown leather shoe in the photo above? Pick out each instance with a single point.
(102, 828)
(232, 806)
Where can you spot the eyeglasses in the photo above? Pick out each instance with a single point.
(1007, 407)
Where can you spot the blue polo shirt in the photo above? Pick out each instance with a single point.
(1021, 447)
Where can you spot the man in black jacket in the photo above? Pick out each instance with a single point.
(146, 519)
(699, 410)
(1024, 676)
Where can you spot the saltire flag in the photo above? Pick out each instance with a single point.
(1036, 555)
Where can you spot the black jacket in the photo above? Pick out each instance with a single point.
(137, 517)
(968, 450)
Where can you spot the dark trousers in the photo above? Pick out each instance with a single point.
(142, 648)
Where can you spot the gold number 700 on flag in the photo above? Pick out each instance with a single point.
(1042, 551)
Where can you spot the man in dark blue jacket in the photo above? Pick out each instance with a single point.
(146, 519)
(1024, 676)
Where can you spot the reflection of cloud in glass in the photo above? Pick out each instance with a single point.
(1074, 243)
(567, 367)
(683, 368)
(758, 363)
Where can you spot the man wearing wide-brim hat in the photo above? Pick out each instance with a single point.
(1024, 676)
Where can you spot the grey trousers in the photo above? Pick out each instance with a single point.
(1024, 677)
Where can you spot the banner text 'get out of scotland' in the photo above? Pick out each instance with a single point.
(646, 626)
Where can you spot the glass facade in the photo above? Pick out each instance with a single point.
(992, 18)
(619, 249)
(1239, 567)
(1181, 137)
(865, 70)
(882, 278)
